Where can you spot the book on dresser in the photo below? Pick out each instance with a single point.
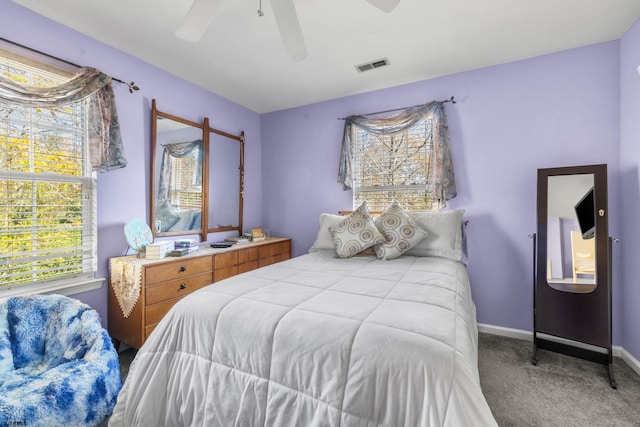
(179, 252)
(183, 251)
(184, 247)
(241, 239)
(185, 243)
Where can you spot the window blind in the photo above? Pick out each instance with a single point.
(47, 190)
(390, 167)
(185, 190)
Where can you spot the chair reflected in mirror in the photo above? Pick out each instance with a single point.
(583, 256)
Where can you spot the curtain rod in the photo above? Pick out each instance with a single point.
(451, 100)
(131, 85)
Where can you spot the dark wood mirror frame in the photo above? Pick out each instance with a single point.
(564, 313)
(206, 131)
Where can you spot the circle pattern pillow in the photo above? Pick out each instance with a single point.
(355, 233)
(399, 231)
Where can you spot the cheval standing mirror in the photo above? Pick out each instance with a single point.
(572, 259)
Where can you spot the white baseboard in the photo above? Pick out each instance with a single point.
(505, 332)
(528, 336)
(631, 361)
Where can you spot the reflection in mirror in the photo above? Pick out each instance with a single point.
(226, 162)
(571, 252)
(178, 172)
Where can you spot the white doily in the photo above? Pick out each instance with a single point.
(126, 280)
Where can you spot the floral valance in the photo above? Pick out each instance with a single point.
(441, 185)
(105, 142)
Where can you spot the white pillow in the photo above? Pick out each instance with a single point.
(399, 230)
(324, 240)
(445, 234)
(355, 233)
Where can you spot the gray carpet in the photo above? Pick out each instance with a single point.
(559, 391)
(126, 357)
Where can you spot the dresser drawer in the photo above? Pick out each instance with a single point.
(176, 288)
(154, 313)
(247, 260)
(148, 330)
(178, 269)
(277, 252)
(247, 255)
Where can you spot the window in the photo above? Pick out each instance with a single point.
(390, 167)
(185, 190)
(404, 157)
(47, 188)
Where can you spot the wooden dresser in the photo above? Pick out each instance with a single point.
(164, 282)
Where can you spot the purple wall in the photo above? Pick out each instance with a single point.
(124, 194)
(571, 108)
(555, 110)
(630, 187)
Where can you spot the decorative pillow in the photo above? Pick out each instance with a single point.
(445, 234)
(167, 216)
(399, 231)
(355, 233)
(324, 240)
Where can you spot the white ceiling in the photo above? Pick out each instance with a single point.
(241, 57)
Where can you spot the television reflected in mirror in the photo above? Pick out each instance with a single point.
(586, 214)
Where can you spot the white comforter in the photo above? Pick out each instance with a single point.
(315, 341)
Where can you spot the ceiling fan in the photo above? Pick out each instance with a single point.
(202, 12)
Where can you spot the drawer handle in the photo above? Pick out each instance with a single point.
(183, 286)
(183, 268)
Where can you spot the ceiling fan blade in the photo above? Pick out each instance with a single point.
(385, 5)
(197, 19)
(287, 20)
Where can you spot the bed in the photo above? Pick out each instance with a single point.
(315, 341)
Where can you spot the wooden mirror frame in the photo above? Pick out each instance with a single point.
(202, 231)
(206, 152)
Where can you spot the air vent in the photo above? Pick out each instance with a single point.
(373, 65)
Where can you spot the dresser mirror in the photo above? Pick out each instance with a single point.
(226, 181)
(179, 183)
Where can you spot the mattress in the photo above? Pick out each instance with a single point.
(315, 341)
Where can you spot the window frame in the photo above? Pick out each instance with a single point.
(78, 282)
